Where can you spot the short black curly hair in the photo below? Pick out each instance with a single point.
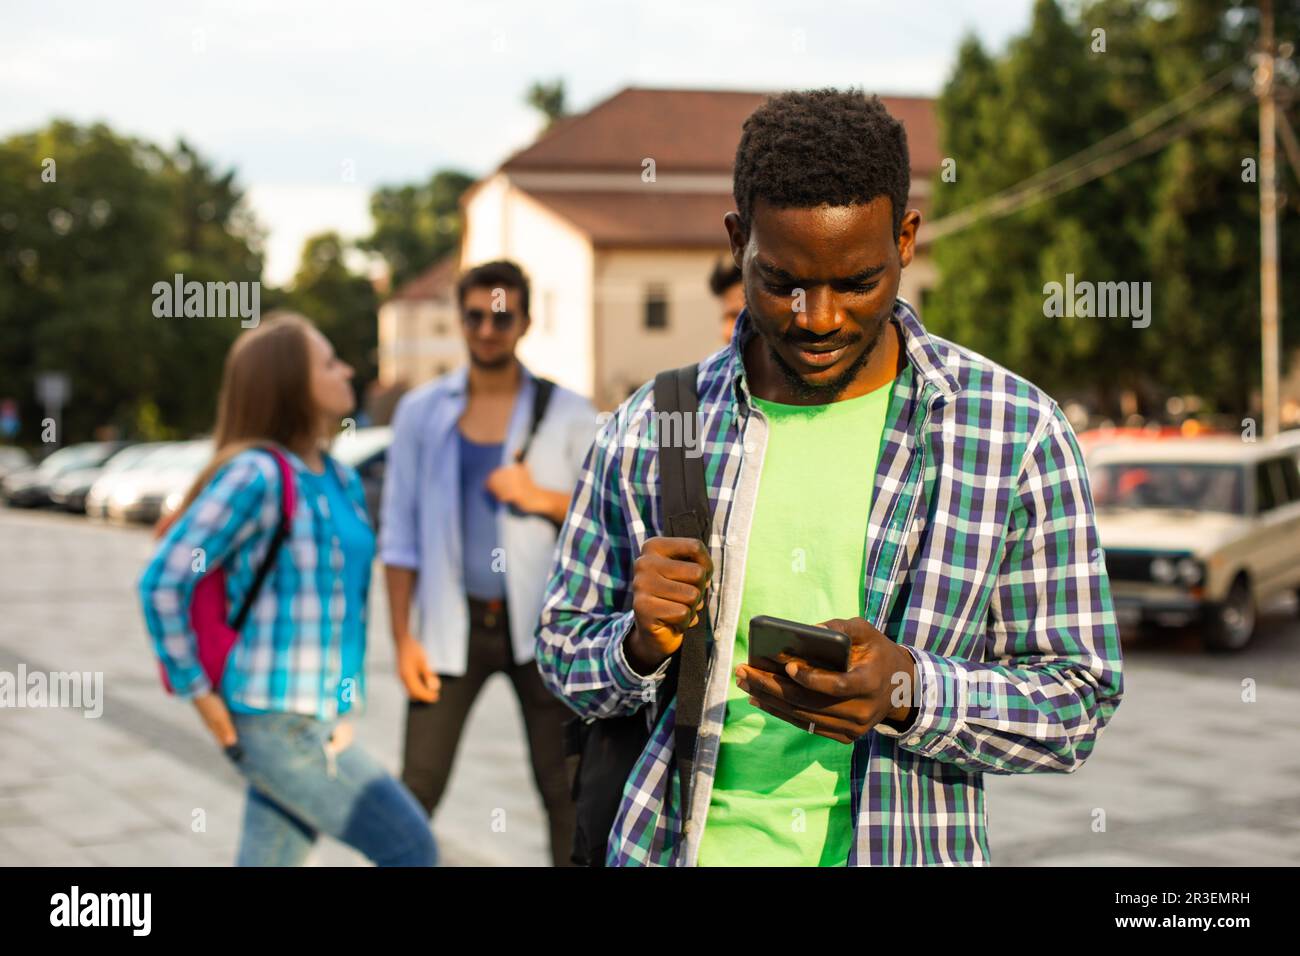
(822, 147)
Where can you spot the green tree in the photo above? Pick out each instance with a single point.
(417, 224)
(1004, 120)
(341, 303)
(89, 221)
(548, 99)
(214, 238)
(1182, 218)
(1203, 244)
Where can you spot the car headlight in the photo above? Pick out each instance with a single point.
(173, 501)
(1163, 570)
(1190, 571)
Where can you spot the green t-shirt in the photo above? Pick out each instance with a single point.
(781, 796)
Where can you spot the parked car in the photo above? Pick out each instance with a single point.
(30, 487)
(13, 458)
(128, 471)
(70, 490)
(1289, 441)
(1201, 531)
(101, 489)
(366, 450)
(141, 492)
(1095, 438)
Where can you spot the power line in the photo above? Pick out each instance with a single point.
(1142, 125)
(1144, 135)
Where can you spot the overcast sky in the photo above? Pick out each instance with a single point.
(296, 95)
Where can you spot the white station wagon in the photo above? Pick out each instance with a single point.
(1200, 530)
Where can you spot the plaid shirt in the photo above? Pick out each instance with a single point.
(981, 558)
(289, 654)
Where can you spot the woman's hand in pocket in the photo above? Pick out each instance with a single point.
(217, 718)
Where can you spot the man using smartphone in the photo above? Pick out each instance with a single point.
(862, 474)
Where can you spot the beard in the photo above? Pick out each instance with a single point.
(490, 365)
(824, 392)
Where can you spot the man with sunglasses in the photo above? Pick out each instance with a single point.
(482, 465)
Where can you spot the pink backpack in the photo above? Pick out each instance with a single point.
(209, 613)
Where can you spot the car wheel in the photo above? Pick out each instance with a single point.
(1229, 626)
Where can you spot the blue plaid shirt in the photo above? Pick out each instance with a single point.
(289, 654)
(981, 558)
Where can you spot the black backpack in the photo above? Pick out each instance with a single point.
(544, 388)
(608, 749)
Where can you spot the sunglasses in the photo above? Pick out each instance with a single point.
(501, 321)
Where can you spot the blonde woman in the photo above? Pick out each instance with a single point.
(296, 667)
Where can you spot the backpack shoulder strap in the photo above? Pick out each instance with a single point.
(544, 388)
(288, 501)
(684, 505)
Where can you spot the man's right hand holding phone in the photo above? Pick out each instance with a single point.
(669, 581)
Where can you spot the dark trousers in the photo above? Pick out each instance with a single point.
(433, 730)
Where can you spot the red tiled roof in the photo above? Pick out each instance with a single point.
(649, 219)
(436, 282)
(643, 218)
(686, 131)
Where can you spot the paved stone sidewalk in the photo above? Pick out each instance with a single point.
(1186, 774)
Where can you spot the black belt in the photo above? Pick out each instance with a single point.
(488, 613)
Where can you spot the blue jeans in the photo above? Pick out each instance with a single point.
(298, 790)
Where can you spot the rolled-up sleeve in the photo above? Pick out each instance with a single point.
(1051, 676)
(400, 529)
(241, 501)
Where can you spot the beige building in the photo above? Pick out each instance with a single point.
(616, 216)
(419, 335)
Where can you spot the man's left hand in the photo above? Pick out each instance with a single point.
(840, 705)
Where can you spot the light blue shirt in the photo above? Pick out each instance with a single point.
(289, 654)
(421, 509)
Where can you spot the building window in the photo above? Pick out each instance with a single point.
(656, 307)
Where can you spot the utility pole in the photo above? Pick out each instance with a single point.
(1265, 75)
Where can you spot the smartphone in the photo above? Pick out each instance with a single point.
(819, 646)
